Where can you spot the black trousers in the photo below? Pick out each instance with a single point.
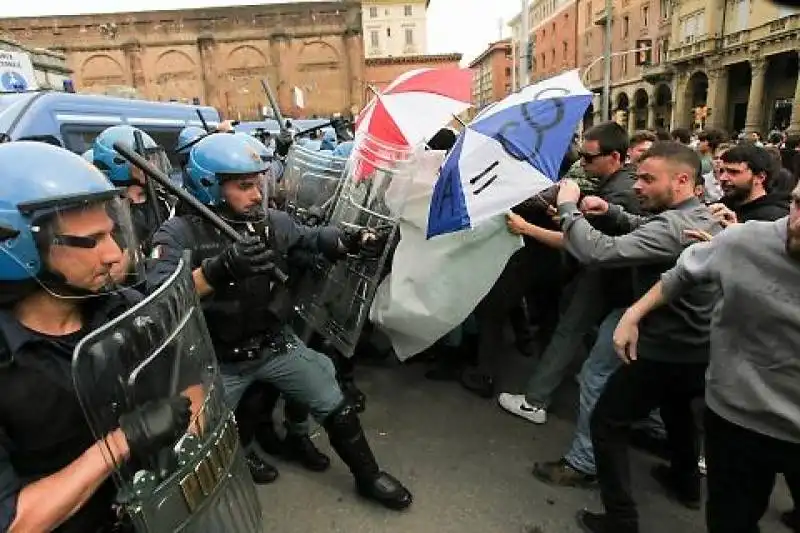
(631, 393)
(742, 468)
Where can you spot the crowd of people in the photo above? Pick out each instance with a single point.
(630, 213)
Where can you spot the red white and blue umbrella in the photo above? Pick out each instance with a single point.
(508, 153)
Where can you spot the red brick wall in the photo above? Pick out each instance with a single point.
(555, 44)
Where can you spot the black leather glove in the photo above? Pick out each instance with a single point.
(283, 142)
(249, 257)
(154, 425)
(365, 242)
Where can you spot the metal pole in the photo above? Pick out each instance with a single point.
(606, 104)
(523, 45)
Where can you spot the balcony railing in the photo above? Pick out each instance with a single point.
(703, 45)
(599, 16)
(775, 28)
(657, 72)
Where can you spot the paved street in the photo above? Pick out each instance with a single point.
(468, 464)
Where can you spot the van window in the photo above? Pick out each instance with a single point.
(49, 139)
(78, 137)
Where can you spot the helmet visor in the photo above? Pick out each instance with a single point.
(86, 246)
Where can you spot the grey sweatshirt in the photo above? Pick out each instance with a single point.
(754, 374)
(678, 332)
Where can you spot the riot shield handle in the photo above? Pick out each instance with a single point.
(204, 211)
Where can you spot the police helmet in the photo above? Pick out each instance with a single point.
(258, 146)
(328, 140)
(37, 180)
(343, 150)
(216, 156)
(117, 167)
(187, 138)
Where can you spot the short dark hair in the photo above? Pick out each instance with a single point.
(676, 152)
(611, 137)
(642, 136)
(663, 135)
(775, 137)
(713, 137)
(757, 159)
(682, 135)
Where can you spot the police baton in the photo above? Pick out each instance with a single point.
(203, 210)
(152, 195)
(274, 104)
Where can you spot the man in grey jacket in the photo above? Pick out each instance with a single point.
(752, 419)
(675, 341)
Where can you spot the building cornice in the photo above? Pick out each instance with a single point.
(420, 58)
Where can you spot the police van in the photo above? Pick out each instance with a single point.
(73, 121)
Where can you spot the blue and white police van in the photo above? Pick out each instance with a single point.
(73, 120)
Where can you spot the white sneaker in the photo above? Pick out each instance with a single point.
(701, 465)
(516, 404)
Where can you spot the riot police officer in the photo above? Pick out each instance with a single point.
(61, 222)
(146, 211)
(247, 312)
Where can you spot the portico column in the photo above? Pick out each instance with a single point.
(651, 113)
(755, 101)
(680, 110)
(794, 122)
(718, 97)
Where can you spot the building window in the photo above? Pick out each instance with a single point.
(409, 36)
(553, 56)
(373, 12)
(666, 5)
(692, 27)
(554, 28)
(388, 32)
(589, 13)
(566, 50)
(664, 50)
(645, 15)
(407, 11)
(586, 37)
(374, 39)
(624, 60)
(625, 26)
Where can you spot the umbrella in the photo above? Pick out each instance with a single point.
(511, 151)
(416, 105)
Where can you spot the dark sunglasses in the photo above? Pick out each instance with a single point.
(591, 157)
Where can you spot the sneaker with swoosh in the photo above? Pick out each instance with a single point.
(518, 405)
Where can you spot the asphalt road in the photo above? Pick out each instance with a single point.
(468, 464)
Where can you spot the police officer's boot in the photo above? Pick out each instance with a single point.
(247, 418)
(297, 446)
(348, 439)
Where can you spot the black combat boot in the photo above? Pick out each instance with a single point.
(348, 439)
(248, 415)
(298, 447)
(345, 373)
(263, 473)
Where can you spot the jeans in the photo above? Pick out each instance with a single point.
(585, 309)
(631, 393)
(602, 362)
(742, 467)
(303, 376)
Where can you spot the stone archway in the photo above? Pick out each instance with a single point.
(176, 77)
(641, 109)
(663, 106)
(696, 94)
(245, 67)
(320, 75)
(622, 108)
(101, 71)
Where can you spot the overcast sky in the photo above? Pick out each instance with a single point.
(453, 25)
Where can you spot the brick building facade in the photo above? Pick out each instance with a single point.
(491, 74)
(554, 36)
(216, 55)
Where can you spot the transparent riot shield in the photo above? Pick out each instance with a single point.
(336, 301)
(158, 349)
(311, 183)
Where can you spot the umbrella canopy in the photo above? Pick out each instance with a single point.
(511, 151)
(416, 105)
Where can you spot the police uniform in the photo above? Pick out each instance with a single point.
(42, 426)
(247, 317)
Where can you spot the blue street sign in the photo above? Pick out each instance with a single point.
(12, 80)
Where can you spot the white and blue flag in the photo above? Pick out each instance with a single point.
(508, 153)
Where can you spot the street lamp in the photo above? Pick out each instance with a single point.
(607, 80)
